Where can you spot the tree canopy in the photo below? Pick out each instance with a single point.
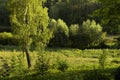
(110, 14)
(30, 22)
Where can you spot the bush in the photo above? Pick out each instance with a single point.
(102, 59)
(42, 64)
(17, 67)
(60, 35)
(62, 66)
(7, 38)
(91, 34)
(74, 35)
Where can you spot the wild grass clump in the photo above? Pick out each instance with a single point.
(4, 69)
(42, 64)
(102, 59)
(62, 65)
(17, 65)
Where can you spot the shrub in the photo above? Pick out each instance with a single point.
(42, 64)
(7, 38)
(74, 35)
(60, 35)
(90, 34)
(17, 67)
(62, 66)
(102, 59)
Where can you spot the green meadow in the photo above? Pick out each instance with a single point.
(62, 64)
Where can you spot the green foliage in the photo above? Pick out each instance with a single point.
(6, 38)
(30, 22)
(86, 36)
(42, 64)
(4, 68)
(52, 24)
(60, 35)
(80, 64)
(11, 67)
(17, 66)
(74, 35)
(62, 27)
(62, 65)
(72, 11)
(91, 34)
(4, 14)
(109, 12)
(74, 29)
(5, 35)
(102, 59)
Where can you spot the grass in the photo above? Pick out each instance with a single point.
(81, 63)
(111, 40)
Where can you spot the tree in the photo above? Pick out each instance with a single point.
(91, 34)
(88, 35)
(73, 11)
(110, 14)
(74, 37)
(30, 23)
(50, 3)
(60, 35)
(4, 15)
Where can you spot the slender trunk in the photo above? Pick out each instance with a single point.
(28, 57)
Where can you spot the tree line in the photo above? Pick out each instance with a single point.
(104, 12)
(74, 23)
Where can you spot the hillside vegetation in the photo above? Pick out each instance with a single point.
(63, 62)
(59, 40)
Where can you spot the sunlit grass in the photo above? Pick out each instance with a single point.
(80, 62)
(74, 57)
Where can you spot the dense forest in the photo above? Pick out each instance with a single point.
(59, 32)
(70, 17)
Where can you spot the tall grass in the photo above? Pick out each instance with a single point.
(65, 63)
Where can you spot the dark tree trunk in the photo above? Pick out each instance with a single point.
(28, 57)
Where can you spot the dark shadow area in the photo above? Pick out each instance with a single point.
(96, 74)
(9, 48)
(13, 47)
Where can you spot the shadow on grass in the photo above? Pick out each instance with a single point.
(96, 74)
(12, 48)
(9, 48)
